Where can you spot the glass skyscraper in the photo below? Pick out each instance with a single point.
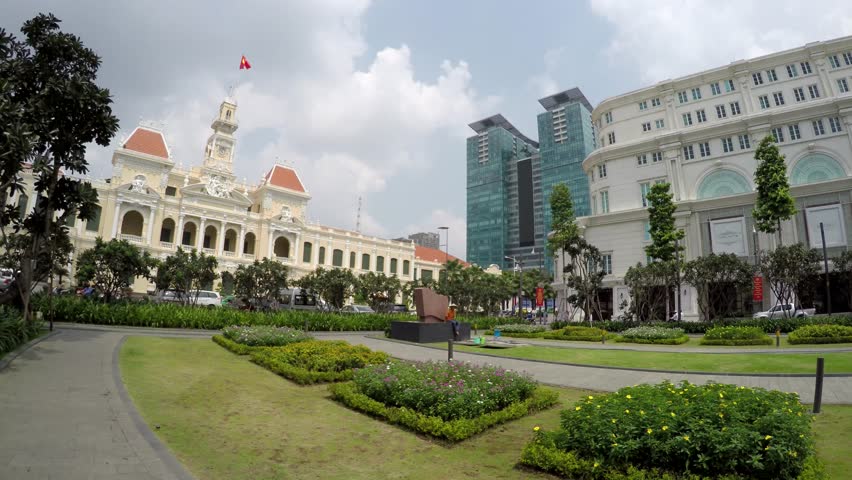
(510, 177)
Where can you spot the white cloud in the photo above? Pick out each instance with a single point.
(544, 84)
(669, 38)
(457, 232)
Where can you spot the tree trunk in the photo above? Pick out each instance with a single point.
(780, 241)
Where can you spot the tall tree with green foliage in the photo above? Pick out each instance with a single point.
(711, 275)
(54, 109)
(261, 281)
(665, 236)
(786, 268)
(334, 285)
(564, 233)
(113, 266)
(377, 288)
(774, 202)
(186, 273)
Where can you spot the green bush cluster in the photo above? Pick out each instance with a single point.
(453, 430)
(578, 334)
(144, 314)
(14, 330)
(448, 390)
(679, 431)
(233, 346)
(786, 325)
(521, 328)
(735, 336)
(653, 335)
(316, 361)
(264, 335)
(816, 334)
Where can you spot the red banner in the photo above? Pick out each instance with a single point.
(757, 294)
(539, 297)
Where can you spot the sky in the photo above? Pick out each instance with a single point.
(372, 99)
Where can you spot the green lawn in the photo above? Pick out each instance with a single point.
(226, 418)
(696, 362)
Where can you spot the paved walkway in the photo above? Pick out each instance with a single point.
(638, 347)
(66, 414)
(836, 390)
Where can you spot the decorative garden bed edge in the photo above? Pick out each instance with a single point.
(233, 346)
(817, 340)
(737, 342)
(299, 375)
(655, 341)
(546, 457)
(452, 430)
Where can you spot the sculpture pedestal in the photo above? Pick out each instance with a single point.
(422, 332)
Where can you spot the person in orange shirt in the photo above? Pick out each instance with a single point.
(451, 317)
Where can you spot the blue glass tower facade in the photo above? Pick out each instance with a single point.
(510, 178)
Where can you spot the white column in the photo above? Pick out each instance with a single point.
(200, 234)
(825, 80)
(116, 219)
(150, 225)
(270, 252)
(242, 241)
(295, 255)
(221, 240)
(178, 239)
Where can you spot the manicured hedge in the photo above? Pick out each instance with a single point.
(734, 336)
(578, 334)
(711, 431)
(653, 335)
(821, 334)
(144, 314)
(787, 325)
(453, 430)
(234, 347)
(317, 361)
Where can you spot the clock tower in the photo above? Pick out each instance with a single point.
(219, 154)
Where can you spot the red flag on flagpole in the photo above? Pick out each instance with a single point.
(244, 64)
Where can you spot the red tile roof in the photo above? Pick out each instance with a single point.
(284, 177)
(434, 255)
(149, 142)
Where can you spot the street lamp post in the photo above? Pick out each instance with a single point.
(679, 309)
(520, 287)
(825, 263)
(756, 307)
(446, 243)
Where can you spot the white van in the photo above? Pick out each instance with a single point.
(206, 298)
(299, 299)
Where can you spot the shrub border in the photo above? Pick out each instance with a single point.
(452, 430)
(541, 455)
(234, 347)
(300, 375)
(766, 340)
(654, 341)
(816, 340)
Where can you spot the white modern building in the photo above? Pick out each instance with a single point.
(699, 133)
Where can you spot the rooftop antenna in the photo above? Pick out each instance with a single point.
(358, 217)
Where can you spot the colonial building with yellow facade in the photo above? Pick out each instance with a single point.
(154, 204)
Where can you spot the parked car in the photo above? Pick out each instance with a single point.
(357, 309)
(299, 299)
(205, 298)
(786, 310)
(393, 308)
(7, 275)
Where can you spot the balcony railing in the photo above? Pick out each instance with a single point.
(209, 251)
(167, 245)
(249, 256)
(229, 254)
(284, 259)
(131, 238)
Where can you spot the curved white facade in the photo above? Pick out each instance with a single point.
(699, 133)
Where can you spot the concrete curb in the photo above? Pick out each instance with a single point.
(11, 356)
(165, 455)
(645, 370)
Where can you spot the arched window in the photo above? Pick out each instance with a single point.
(23, 200)
(380, 264)
(322, 256)
(337, 258)
(393, 265)
(722, 183)
(131, 224)
(307, 252)
(248, 243)
(365, 262)
(282, 247)
(406, 267)
(167, 231)
(815, 167)
(352, 260)
(95, 223)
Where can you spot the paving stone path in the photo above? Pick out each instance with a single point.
(64, 413)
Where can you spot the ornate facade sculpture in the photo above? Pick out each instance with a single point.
(219, 187)
(139, 184)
